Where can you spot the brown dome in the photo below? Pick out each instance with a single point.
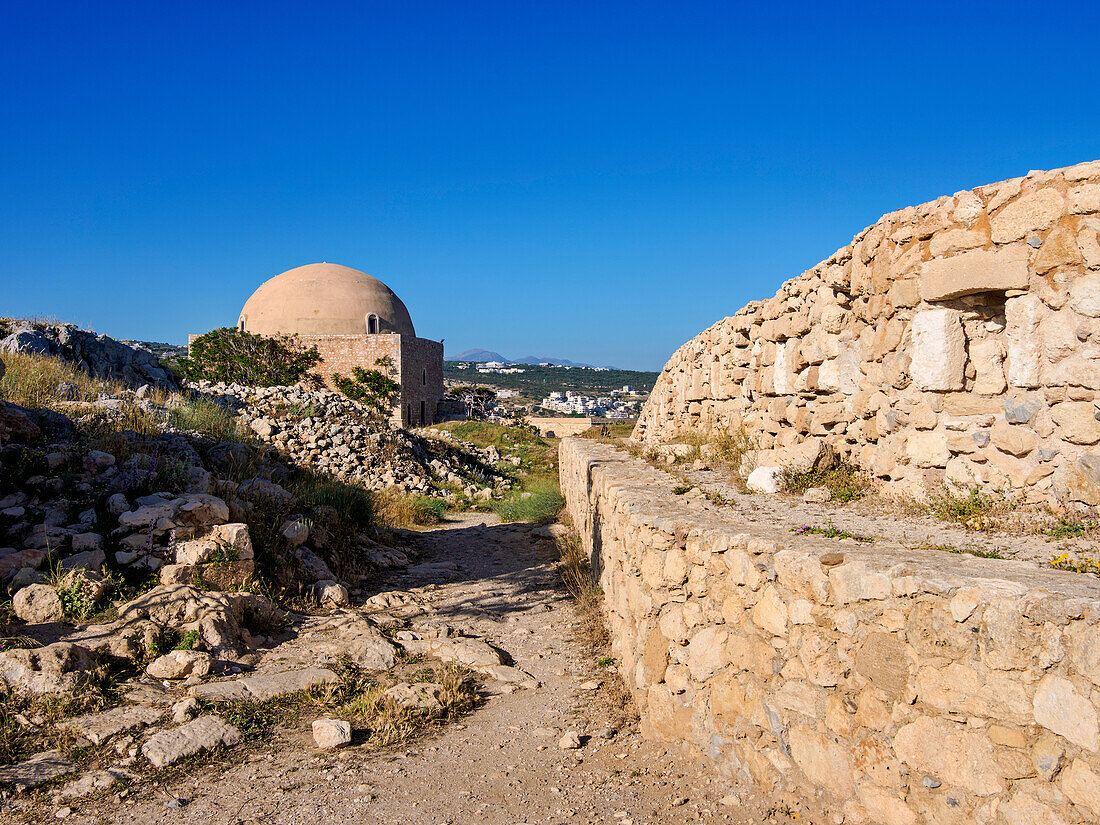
(324, 299)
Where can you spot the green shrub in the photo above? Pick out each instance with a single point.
(236, 356)
(374, 389)
(971, 508)
(429, 510)
(845, 481)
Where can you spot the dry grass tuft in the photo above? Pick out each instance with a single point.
(395, 510)
(377, 720)
(32, 381)
(577, 577)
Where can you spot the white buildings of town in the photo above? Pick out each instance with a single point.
(612, 405)
(499, 368)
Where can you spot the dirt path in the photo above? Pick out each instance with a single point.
(503, 763)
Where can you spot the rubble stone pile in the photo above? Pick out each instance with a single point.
(322, 429)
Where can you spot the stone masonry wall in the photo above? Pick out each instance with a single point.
(417, 364)
(421, 379)
(895, 688)
(957, 340)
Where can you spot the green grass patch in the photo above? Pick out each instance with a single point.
(830, 531)
(537, 500)
(1072, 526)
(536, 454)
(963, 551)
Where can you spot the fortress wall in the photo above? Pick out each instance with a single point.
(957, 340)
(895, 688)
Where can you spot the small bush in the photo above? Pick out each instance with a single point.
(830, 531)
(732, 445)
(845, 481)
(373, 389)
(235, 356)
(1072, 526)
(971, 508)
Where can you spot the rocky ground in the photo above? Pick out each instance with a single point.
(553, 740)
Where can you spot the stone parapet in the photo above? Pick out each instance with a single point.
(897, 686)
(956, 341)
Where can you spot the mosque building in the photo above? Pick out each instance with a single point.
(353, 320)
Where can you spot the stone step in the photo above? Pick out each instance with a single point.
(265, 686)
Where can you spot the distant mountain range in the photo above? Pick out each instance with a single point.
(480, 356)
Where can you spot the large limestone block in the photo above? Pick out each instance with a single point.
(1022, 318)
(824, 761)
(955, 240)
(1025, 809)
(978, 270)
(38, 770)
(956, 754)
(853, 582)
(770, 613)
(1084, 295)
(1076, 422)
(99, 727)
(987, 356)
(1033, 212)
(706, 653)
(1082, 785)
(1059, 249)
(1060, 708)
(927, 449)
(939, 350)
(1084, 479)
(1084, 199)
(203, 734)
(38, 604)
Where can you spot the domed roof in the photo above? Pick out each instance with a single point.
(324, 299)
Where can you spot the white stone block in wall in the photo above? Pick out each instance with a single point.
(784, 375)
(939, 350)
(987, 356)
(1022, 318)
(979, 270)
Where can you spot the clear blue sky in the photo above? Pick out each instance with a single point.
(591, 180)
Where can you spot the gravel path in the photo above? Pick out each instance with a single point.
(503, 763)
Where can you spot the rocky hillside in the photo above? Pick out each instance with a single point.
(97, 355)
(167, 554)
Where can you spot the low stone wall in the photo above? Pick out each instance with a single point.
(893, 687)
(562, 426)
(955, 341)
